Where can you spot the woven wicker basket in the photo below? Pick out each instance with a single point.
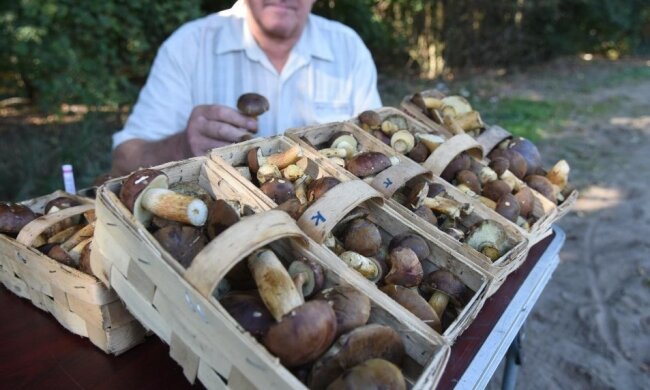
(78, 301)
(178, 304)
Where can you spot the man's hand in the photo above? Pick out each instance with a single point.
(211, 126)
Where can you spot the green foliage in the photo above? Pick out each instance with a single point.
(95, 53)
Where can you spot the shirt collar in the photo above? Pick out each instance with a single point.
(312, 43)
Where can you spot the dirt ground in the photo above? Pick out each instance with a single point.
(591, 327)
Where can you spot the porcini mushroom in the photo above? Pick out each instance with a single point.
(371, 374)
(405, 268)
(458, 163)
(309, 274)
(303, 334)
(252, 104)
(255, 158)
(529, 152)
(145, 194)
(369, 163)
(182, 242)
(221, 215)
(444, 286)
(508, 207)
(542, 185)
(274, 283)
(413, 302)
(249, 311)
(370, 120)
(351, 306)
(355, 347)
(279, 190)
(489, 238)
(320, 186)
(412, 241)
(366, 266)
(402, 141)
(363, 237)
(13, 217)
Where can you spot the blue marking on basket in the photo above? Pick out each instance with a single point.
(195, 307)
(317, 218)
(387, 182)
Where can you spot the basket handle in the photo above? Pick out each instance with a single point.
(214, 261)
(321, 217)
(443, 154)
(390, 180)
(35, 228)
(491, 137)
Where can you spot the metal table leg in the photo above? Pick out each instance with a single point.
(513, 361)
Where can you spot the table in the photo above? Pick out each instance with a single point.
(37, 352)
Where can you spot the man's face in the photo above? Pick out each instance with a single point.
(280, 19)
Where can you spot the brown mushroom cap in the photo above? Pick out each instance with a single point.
(499, 165)
(368, 163)
(252, 104)
(320, 186)
(516, 162)
(508, 207)
(542, 185)
(380, 135)
(352, 307)
(526, 201)
(355, 347)
(445, 282)
(13, 217)
(469, 179)
(249, 311)
(370, 118)
(303, 334)
(373, 374)
(495, 189)
(137, 182)
(405, 268)
(363, 237)
(529, 152)
(409, 240)
(84, 259)
(419, 153)
(427, 214)
(62, 256)
(279, 190)
(314, 275)
(251, 160)
(182, 242)
(221, 215)
(460, 162)
(60, 203)
(413, 302)
(436, 189)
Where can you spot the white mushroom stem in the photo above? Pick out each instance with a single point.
(267, 172)
(334, 152)
(559, 174)
(488, 202)
(431, 141)
(513, 181)
(438, 302)
(292, 172)
(75, 252)
(432, 103)
(79, 236)
(452, 125)
(466, 190)
(449, 207)
(366, 266)
(281, 159)
(299, 280)
(274, 283)
(174, 206)
(300, 188)
(469, 121)
(337, 161)
(486, 175)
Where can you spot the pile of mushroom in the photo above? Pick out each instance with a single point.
(524, 159)
(67, 241)
(393, 264)
(318, 330)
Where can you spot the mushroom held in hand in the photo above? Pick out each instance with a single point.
(352, 307)
(145, 194)
(361, 344)
(303, 334)
(373, 374)
(13, 217)
(252, 105)
(445, 287)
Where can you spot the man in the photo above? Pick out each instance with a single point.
(311, 70)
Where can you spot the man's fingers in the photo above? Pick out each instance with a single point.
(229, 115)
(221, 131)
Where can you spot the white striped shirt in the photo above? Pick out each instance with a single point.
(329, 76)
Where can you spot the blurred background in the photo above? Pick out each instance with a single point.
(572, 75)
(70, 70)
